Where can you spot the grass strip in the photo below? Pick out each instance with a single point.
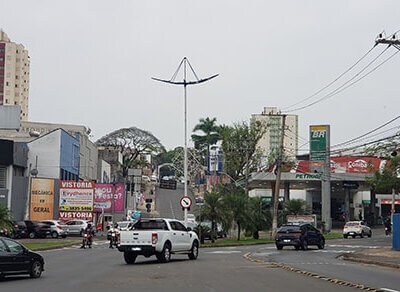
(235, 242)
(40, 245)
(333, 235)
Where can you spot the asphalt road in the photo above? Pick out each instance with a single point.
(326, 262)
(167, 202)
(217, 269)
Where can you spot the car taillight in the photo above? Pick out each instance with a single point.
(358, 226)
(344, 227)
(296, 234)
(154, 238)
(16, 225)
(118, 238)
(59, 227)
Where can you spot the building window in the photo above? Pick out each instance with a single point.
(7, 83)
(7, 101)
(2, 50)
(1, 67)
(3, 177)
(1, 59)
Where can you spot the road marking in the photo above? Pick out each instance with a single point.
(224, 251)
(389, 290)
(353, 246)
(172, 209)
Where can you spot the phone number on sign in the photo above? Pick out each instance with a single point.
(76, 208)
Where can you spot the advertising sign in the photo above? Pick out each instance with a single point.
(76, 196)
(311, 219)
(103, 197)
(318, 145)
(67, 216)
(42, 199)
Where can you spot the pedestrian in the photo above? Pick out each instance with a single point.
(360, 215)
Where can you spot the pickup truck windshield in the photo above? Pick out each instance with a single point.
(151, 225)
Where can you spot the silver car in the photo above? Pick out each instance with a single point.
(57, 228)
(77, 226)
(356, 228)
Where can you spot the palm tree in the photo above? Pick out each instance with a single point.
(236, 205)
(258, 218)
(296, 207)
(210, 135)
(212, 210)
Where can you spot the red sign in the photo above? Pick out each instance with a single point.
(347, 164)
(67, 216)
(389, 202)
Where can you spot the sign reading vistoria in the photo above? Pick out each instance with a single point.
(42, 199)
(76, 196)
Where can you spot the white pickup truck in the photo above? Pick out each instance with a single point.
(159, 237)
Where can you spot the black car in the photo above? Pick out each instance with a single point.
(299, 236)
(37, 229)
(16, 259)
(19, 230)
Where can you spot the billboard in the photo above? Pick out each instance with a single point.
(76, 196)
(42, 199)
(103, 197)
(10, 117)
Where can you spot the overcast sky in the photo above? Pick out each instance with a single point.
(91, 61)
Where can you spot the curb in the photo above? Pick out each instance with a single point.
(235, 245)
(351, 258)
(247, 256)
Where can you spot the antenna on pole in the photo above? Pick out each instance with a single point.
(183, 65)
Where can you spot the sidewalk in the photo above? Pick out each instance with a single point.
(384, 256)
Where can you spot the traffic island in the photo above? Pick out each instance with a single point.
(40, 246)
(385, 257)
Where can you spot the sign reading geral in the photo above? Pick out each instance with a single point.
(318, 145)
(42, 199)
(76, 196)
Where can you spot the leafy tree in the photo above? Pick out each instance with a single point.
(132, 142)
(239, 144)
(387, 180)
(209, 136)
(236, 205)
(168, 157)
(5, 214)
(212, 210)
(296, 207)
(258, 216)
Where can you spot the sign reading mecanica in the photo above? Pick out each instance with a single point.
(76, 195)
(318, 145)
(42, 199)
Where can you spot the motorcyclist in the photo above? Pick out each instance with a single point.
(113, 229)
(89, 231)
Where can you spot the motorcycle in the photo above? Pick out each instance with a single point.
(388, 230)
(113, 239)
(87, 240)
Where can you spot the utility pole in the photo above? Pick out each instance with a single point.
(185, 62)
(247, 167)
(278, 180)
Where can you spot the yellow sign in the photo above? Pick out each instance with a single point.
(42, 199)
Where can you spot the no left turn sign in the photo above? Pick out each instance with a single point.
(186, 202)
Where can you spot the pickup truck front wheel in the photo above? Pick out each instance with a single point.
(165, 255)
(194, 252)
(130, 257)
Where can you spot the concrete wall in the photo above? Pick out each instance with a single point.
(19, 196)
(88, 159)
(47, 149)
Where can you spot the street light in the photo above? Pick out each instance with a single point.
(184, 63)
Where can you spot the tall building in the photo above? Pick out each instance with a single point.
(14, 75)
(271, 140)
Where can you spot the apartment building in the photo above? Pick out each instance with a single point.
(14, 75)
(270, 142)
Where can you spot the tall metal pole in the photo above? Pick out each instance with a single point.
(185, 83)
(185, 167)
(278, 180)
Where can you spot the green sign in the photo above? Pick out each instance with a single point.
(318, 145)
(308, 175)
(266, 199)
(366, 202)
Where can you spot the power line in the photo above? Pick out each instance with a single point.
(336, 79)
(343, 87)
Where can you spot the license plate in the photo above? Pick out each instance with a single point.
(286, 240)
(351, 233)
(136, 249)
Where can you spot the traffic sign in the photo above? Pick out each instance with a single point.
(186, 202)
